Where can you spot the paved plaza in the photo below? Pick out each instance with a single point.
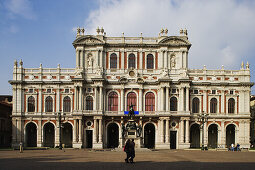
(163, 159)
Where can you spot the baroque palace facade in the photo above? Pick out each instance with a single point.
(112, 73)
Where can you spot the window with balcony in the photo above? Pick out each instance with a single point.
(213, 105)
(49, 104)
(31, 104)
(113, 101)
(113, 61)
(150, 102)
(67, 104)
(89, 103)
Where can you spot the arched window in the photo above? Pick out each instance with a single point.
(150, 102)
(131, 99)
(131, 61)
(150, 61)
(31, 104)
(48, 104)
(231, 105)
(89, 103)
(67, 104)
(113, 101)
(195, 105)
(113, 60)
(173, 104)
(213, 105)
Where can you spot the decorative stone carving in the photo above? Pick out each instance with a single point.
(91, 41)
(90, 60)
(173, 61)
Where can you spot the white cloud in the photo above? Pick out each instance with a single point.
(21, 8)
(221, 31)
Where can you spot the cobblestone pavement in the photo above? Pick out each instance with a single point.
(94, 160)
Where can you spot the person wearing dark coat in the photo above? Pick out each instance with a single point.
(127, 150)
(132, 151)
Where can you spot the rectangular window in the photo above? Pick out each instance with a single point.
(231, 92)
(195, 91)
(213, 91)
(66, 90)
(30, 90)
(48, 90)
(174, 91)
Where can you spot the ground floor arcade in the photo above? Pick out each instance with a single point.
(106, 132)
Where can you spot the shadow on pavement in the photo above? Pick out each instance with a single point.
(63, 164)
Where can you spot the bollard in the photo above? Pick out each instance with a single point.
(20, 147)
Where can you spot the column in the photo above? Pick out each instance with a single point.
(100, 98)
(223, 141)
(165, 59)
(100, 131)
(161, 59)
(57, 133)
(101, 59)
(95, 131)
(140, 60)
(122, 99)
(76, 99)
(205, 134)
(162, 131)
(182, 130)
(187, 99)
(77, 58)
(39, 139)
(167, 131)
(140, 100)
(14, 131)
(75, 131)
(58, 100)
(80, 131)
(181, 98)
(162, 99)
(167, 98)
(40, 100)
(187, 131)
(82, 58)
(80, 98)
(96, 100)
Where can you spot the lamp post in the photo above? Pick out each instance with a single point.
(59, 114)
(202, 118)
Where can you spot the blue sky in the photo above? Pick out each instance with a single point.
(221, 31)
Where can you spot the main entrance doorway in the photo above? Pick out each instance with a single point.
(112, 135)
(149, 135)
(31, 135)
(230, 135)
(67, 135)
(195, 136)
(88, 138)
(172, 139)
(213, 136)
(49, 135)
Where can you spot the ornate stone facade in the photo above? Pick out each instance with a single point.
(113, 72)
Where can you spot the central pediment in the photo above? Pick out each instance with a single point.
(90, 40)
(175, 41)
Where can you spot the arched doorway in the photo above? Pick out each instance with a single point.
(195, 136)
(112, 135)
(31, 135)
(230, 135)
(213, 136)
(149, 135)
(49, 135)
(67, 135)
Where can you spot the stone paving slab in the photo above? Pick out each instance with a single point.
(159, 159)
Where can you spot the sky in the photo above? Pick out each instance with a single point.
(222, 32)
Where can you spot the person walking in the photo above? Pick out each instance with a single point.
(127, 150)
(132, 151)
